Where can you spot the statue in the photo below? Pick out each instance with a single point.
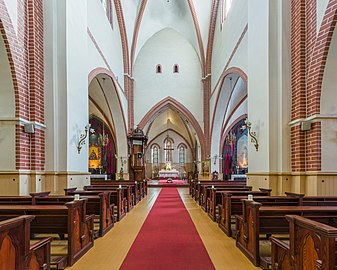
(168, 166)
(121, 174)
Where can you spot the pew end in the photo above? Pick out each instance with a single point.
(280, 258)
(16, 252)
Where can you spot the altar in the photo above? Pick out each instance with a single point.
(164, 174)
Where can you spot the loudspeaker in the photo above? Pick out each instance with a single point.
(29, 128)
(305, 125)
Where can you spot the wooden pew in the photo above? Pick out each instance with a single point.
(116, 197)
(259, 220)
(69, 219)
(206, 190)
(199, 188)
(217, 196)
(127, 192)
(193, 187)
(98, 205)
(231, 205)
(16, 253)
(21, 199)
(312, 246)
(140, 186)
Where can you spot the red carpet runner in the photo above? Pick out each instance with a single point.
(168, 239)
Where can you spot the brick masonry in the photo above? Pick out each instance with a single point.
(26, 58)
(309, 52)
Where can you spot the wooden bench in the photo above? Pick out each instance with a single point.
(116, 197)
(206, 192)
(198, 187)
(128, 193)
(259, 220)
(140, 186)
(217, 194)
(312, 245)
(231, 205)
(21, 199)
(69, 219)
(16, 253)
(194, 183)
(98, 205)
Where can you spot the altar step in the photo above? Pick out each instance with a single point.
(164, 183)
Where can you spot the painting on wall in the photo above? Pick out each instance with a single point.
(102, 148)
(242, 152)
(235, 151)
(205, 167)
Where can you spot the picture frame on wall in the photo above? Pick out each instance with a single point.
(205, 167)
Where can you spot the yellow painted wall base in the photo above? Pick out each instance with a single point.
(23, 182)
(309, 183)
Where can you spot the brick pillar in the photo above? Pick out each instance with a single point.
(303, 35)
(298, 82)
(35, 51)
(314, 86)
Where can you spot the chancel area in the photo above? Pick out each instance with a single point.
(168, 134)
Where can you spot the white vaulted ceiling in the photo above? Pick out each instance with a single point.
(145, 18)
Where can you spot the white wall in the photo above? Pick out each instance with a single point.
(226, 39)
(66, 84)
(159, 15)
(70, 56)
(7, 100)
(168, 48)
(268, 85)
(77, 83)
(55, 85)
(175, 153)
(130, 10)
(228, 110)
(202, 10)
(12, 8)
(329, 107)
(7, 112)
(107, 38)
(321, 7)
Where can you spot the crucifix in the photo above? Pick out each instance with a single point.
(215, 158)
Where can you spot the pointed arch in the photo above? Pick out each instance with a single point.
(231, 70)
(14, 57)
(197, 30)
(319, 58)
(92, 75)
(136, 31)
(171, 102)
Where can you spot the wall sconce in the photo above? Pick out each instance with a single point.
(216, 157)
(252, 134)
(84, 136)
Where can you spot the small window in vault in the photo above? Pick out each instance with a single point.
(176, 68)
(158, 69)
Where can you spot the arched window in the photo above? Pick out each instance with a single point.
(175, 68)
(168, 143)
(182, 154)
(158, 69)
(226, 5)
(155, 155)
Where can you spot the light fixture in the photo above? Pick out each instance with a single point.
(81, 142)
(252, 134)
